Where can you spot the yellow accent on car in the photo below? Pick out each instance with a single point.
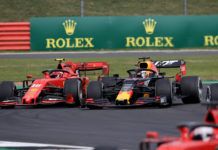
(123, 96)
(146, 95)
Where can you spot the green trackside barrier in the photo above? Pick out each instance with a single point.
(124, 32)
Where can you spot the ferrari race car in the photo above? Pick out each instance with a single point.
(62, 85)
(145, 86)
(193, 136)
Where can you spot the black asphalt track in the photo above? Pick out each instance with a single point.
(74, 126)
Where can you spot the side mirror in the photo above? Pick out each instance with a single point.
(29, 76)
(152, 134)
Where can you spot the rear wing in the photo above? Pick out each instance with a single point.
(91, 66)
(83, 66)
(172, 64)
(169, 63)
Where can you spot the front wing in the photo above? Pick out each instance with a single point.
(141, 102)
(16, 101)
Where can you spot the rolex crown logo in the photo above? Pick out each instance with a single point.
(69, 26)
(149, 25)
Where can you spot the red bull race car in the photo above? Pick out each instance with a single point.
(146, 85)
(65, 84)
(193, 136)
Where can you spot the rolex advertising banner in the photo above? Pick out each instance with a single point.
(124, 32)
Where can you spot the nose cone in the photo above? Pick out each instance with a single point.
(124, 96)
(28, 100)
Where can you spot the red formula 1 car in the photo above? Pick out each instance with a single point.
(61, 85)
(193, 136)
(145, 86)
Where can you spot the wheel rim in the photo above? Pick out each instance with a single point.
(208, 95)
(200, 91)
(80, 95)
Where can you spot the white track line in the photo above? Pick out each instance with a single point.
(25, 144)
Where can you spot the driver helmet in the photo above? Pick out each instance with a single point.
(145, 65)
(144, 74)
(203, 133)
(57, 74)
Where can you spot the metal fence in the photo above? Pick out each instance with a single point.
(194, 6)
(23, 10)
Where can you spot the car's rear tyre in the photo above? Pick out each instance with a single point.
(191, 89)
(163, 88)
(212, 93)
(109, 81)
(73, 87)
(95, 90)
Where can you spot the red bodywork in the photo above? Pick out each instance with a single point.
(187, 139)
(65, 70)
(39, 85)
(212, 116)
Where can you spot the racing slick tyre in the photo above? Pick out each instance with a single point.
(212, 93)
(163, 88)
(191, 89)
(109, 84)
(95, 90)
(73, 87)
(7, 90)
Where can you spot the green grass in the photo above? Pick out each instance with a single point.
(23, 10)
(17, 69)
